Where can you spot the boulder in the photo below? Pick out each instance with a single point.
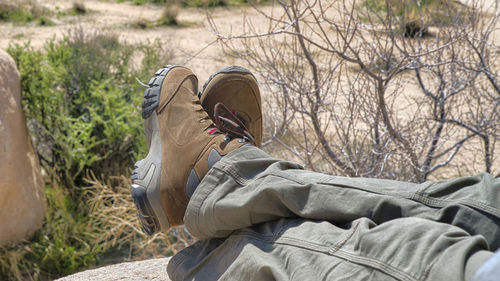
(154, 269)
(22, 197)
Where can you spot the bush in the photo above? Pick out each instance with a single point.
(82, 103)
(61, 247)
(24, 12)
(411, 14)
(14, 13)
(81, 99)
(101, 228)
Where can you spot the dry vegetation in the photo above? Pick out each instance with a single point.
(113, 223)
(353, 94)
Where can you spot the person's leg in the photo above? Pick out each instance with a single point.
(302, 250)
(248, 187)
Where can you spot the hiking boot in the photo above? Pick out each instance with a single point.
(183, 145)
(236, 88)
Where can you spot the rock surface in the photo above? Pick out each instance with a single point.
(154, 269)
(22, 197)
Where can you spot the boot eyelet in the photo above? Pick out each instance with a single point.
(227, 138)
(242, 140)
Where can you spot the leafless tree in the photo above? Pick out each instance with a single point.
(393, 94)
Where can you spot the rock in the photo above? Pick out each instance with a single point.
(22, 197)
(154, 269)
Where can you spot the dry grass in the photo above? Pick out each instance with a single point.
(114, 222)
(109, 232)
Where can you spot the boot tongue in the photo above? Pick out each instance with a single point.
(229, 124)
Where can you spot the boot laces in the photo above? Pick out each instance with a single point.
(227, 122)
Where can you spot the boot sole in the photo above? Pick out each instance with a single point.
(229, 69)
(146, 176)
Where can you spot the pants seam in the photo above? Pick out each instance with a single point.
(434, 202)
(337, 246)
(428, 269)
(376, 264)
(291, 177)
(340, 253)
(418, 196)
(227, 169)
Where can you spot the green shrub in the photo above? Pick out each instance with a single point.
(9, 12)
(45, 21)
(82, 98)
(82, 102)
(61, 247)
(399, 7)
(424, 12)
(24, 12)
(100, 228)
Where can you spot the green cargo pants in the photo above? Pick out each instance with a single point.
(260, 218)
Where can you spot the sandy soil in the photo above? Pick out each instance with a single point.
(191, 42)
(194, 42)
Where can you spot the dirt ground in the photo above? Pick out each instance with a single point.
(191, 41)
